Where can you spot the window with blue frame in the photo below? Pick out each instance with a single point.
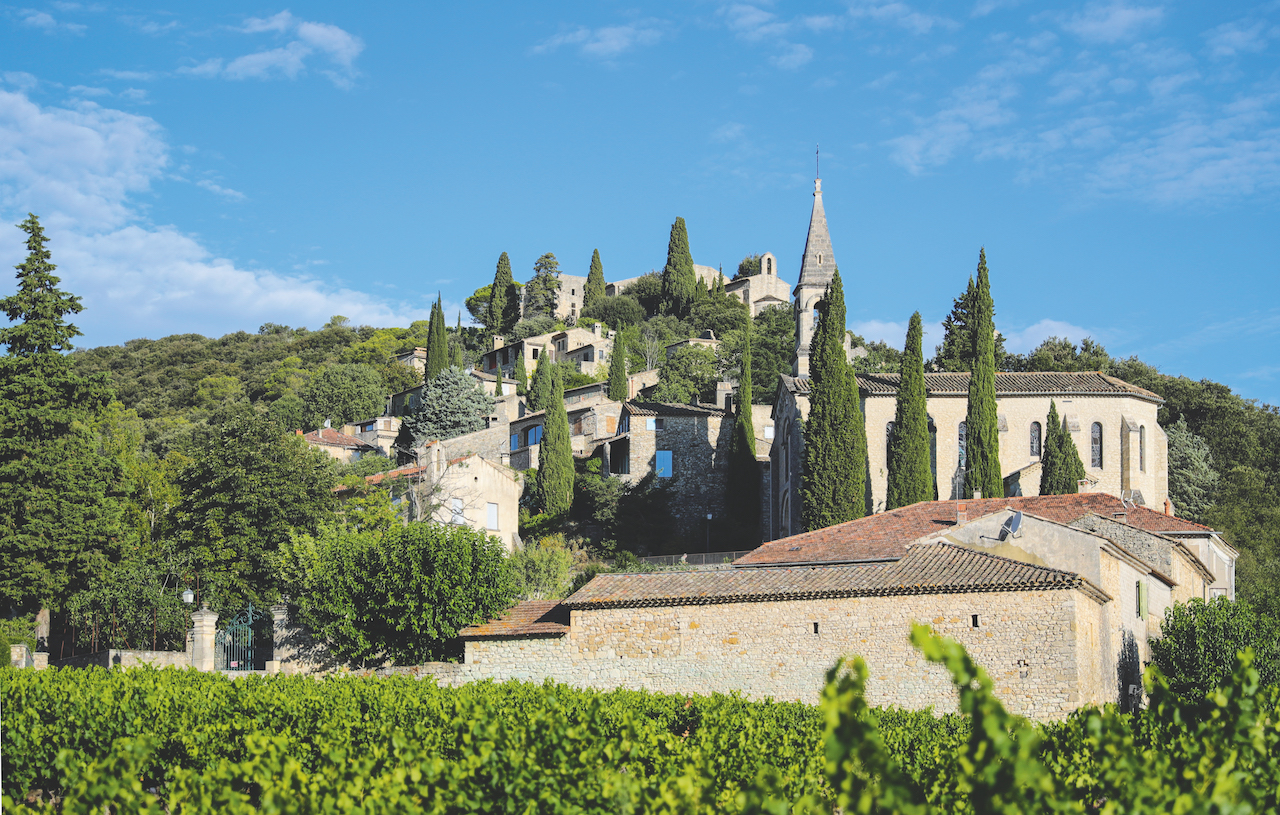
(515, 441)
(535, 435)
(663, 468)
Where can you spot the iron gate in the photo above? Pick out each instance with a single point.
(234, 644)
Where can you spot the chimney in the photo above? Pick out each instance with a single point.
(505, 458)
(962, 514)
(299, 432)
(595, 329)
(977, 495)
(1122, 517)
(497, 342)
(1168, 507)
(1082, 485)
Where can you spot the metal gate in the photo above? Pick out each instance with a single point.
(234, 644)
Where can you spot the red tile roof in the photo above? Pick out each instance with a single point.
(532, 617)
(939, 568)
(332, 438)
(1008, 383)
(886, 536)
(671, 409)
(378, 478)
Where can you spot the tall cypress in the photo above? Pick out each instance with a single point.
(618, 369)
(982, 459)
(679, 281)
(497, 383)
(594, 291)
(743, 478)
(522, 377)
(496, 319)
(540, 388)
(456, 357)
(1060, 466)
(911, 477)
(553, 487)
(835, 439)
(437, 343)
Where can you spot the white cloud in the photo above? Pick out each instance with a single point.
(20, 80)
(128, 76)
(280, 23)
(899, 14)
(894, 333)
(1233, 39)
(1112, 21)
(45, 22)
(752, 23)
(289, 61)
(603, 43)
(85, 90)
(1027, 339)
(220, 190)
(793, 56)
(83, 169)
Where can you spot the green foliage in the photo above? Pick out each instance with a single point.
(835, 439)
(478, 304)
(542, 569)
(1199, 641)
(539, 395)
(719, 312)
(1248, 512)
(17, 631)
(342, 394)
(248, 488)
(131, 604)
(451, 405)
(647, 290)
(1193, 481)
(437, 344)
(1060, 354)
(679, 281)
(532, 327)
(616, 312)
(773, 343)
(594, 291)
(554, 486)
(881, 357)
(540, 294)
(690, 373)
(982, 458)
(644, 521)
(618, 387)
(504, 304)
(955, 353)
(742, 492)
(1060, 466)
(749, 266)
(911, 478)
(400, 594)
(59, 516)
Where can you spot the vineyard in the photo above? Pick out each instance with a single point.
(184, 742)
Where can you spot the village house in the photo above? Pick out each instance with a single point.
(339, 445)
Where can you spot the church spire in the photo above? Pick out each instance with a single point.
(816, 270)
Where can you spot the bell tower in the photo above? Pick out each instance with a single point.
(816, 271)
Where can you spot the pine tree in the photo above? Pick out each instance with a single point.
(496, 320)
(541, 293)
(679, 281)
(1060, 466)
(539, 395)
(437, 343)
(911, 477)
(594, 291)
(59, 519)
(982, 457)
(553, 487)
(743, 478)
(835, 446)
(522, 378)
(618, 390)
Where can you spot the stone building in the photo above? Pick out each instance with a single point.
(339, 445)
(589, 347)
(762, 291)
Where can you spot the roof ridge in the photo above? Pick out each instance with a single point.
(989, 555)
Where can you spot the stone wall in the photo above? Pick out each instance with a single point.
(1161, 553)
(1027, 641)
(699, 447)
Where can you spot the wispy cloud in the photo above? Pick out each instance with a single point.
(337, 47)
(604, 43)
(753, 24)
(1240, 37)
(1026, 340)
(1112, 21)
(899, 14)
(220, 190)
(46, 22)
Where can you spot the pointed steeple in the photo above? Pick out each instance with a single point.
(816, 270)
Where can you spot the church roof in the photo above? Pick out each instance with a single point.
(1008, 383)
(819, 264)
(940, 568)
(889, 535)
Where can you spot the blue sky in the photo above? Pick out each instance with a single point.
(211, 169)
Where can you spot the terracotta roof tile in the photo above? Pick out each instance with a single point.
(532, 617)
(887, 535)
(1084, 383)
(671, 409)
(333, 438)
(939, 568)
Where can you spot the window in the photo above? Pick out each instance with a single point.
(815, 629)
(506, 355)
(1035, 439)
(624, 424)
(586, 356)
(963, 439)
(663, 462)
(573, 291)
(974, 620)
(652, 423)
(535, 352)
(456, 508)
(1142, 448)
(1095, 446)
(534, 435)
(768, 431)
(493, 361)
(515, 441)
(491, 518)
(819, 257)
(577, 427)
(768, 265)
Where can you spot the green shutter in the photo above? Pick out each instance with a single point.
(1143, 606)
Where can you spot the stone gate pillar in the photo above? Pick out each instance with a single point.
(203, 624)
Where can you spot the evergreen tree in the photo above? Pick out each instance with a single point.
(497, 383)
(540, 294)
(539, 394)
(743, 479)
(452, 404)
(618, 369)
(911, 477)
(437, 343)
(679, 281)
(982, 457)
(59, 519)
(1060, 464)
(553, 487)
(835, 446)
(955, 353)
(522, 378)
(456, 358)
(594, 291)
(495, 321)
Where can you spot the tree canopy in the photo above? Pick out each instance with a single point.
(540, 294)
(594, 290)
(451, 405)
(554, 484)
(690, 373)
(342, 394)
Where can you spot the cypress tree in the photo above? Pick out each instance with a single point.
(835, 439)
(982, 459)
(497, 383)
(1060, 466)
(594, 291)
(499, 294)
(743, 479)
(437, 343)
(618, 369)
(522, 378)
(910, 474)
(679, 281)
(540, 388)
(553, 487)
(456, 358)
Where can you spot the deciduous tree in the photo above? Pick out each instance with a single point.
(911, 478)
(342, 394)
(687, 374)
(982, 459)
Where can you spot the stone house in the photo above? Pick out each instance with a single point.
(594, 341)
(705, 340)
(339, 445)
(568, 299)
(590, 422)
(380, 432)
(764, 290)
(415, 359)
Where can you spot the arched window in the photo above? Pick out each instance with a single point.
(888, 441)
(1035, 439)
(768, 265)
(964, 443)
(1142, 448)
(1095, 446)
